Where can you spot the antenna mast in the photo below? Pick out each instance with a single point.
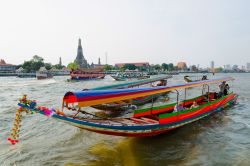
(106, 57)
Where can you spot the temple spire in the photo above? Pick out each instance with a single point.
(79, 42)
(60, 61)
(80, 60)
(99, 61)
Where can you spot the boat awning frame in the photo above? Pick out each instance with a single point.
(96, 97)
(132, 84)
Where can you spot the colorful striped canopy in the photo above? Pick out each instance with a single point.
(132, 84)
(95, 97)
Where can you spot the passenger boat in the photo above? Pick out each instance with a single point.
(133, 103)
(132, 84)
(43, 73)
(143, 122)
(123, 76)
(198, 78)
(86, 74)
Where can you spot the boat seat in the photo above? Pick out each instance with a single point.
(140, 120)
(129, 121)
(149, 120)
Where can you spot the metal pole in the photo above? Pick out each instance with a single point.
(203, 89)
(152, 104)
(185, 97)
(185, 93)
(177, 98)
(208, 92)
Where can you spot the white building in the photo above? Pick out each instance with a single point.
(228, 67)
(248, 66)
(235, 67)
(212, 65)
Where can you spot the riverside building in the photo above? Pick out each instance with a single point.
(7, 68)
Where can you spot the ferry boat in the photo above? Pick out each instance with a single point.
(43, 73)
(86, 74)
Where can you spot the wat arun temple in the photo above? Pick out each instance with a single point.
(80, 60)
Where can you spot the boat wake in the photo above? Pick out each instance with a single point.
(46, 82)
(28, 83)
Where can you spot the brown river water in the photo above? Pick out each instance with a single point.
(221, 139)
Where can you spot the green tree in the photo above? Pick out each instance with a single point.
(27, 66)
(129, 66)
(122, 69)
(165, 66)
(218, 69)
(48, 66)
(73, 66)
(37, 58)
(142, 68)
(34, 64)
(170, 66)
(58, 66)
(107, 67)
(157, 67)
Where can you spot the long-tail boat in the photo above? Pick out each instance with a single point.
(132, 84)
(130, 75)
(189, 79)
(133, 103)
(43, 73)
(144, 122)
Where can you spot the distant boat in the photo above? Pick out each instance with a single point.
(188, 79)
(86, 74)
(43, 73)
(123, 76)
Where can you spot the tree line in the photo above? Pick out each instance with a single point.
(157, 67)
(36, 63)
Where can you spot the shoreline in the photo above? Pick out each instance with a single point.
(30, 75)
(16, 75)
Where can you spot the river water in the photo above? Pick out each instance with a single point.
(221, 139)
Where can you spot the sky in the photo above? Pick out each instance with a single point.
(155, 31)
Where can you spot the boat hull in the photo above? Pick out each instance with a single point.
(42, 76)
(86, 76)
